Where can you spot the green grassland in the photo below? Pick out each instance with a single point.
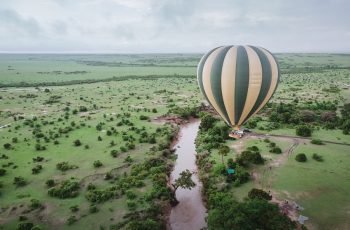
(104, 102)
(77, 109)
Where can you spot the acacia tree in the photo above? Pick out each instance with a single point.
(184, 181)
(223, 151)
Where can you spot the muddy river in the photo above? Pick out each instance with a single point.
(190, 213)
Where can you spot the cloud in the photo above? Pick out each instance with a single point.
(172, 25)
(14, 24)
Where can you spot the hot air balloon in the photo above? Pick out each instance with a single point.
(237, 81)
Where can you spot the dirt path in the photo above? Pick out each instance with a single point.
(294, 137)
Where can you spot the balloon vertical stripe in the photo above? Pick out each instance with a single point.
(242, 81)
(215, 81)
(207, 82)
(228, 82)
(255, 82)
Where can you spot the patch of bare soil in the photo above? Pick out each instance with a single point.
(238, 145)
(170, 119)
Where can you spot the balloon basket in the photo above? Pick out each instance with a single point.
(237, 133)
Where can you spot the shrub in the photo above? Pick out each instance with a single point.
(93, 209)
(207, 122)
(99, 196)
(303, 131)
(259, 194)
(71, 220)
(251, 157)
(114, 153)
(2, 172)
(25, 226)
(74, 208)
(128, 159)
(50, 183)
(317, 157)
(37, 169)
(277, 150)
(64, 166)
(77, 142)
(19, 181)
(7, 146)
(35, 204)
(97, 164)
(130, 195)
(66, 189)
(301, 157)
(143, 117)
(316, 142)
(131, 204)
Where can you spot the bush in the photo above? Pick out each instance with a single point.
(64, 166)
(316, 142)
(130, 195)
(207, 122)
(303, 131)
(7, 146)
(74, 208)
(131, 204)
(97, 164)
(114, 153)
(259, 194)
(25, 226)
(93, 209)
(99, 196)
(19, 181)
(77, 142)
(50, 183)
(251, 157)
(277, 150)
(143, 117)
(37, 169)
(66, 189)
(301, 157)
(317, 157)
(2, 172)
(71, 220)
(128, 159)
(35, 204)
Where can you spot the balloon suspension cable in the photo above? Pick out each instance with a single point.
(236, 127)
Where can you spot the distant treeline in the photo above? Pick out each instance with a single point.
(123, 64)
(89, 81)
(291, 70)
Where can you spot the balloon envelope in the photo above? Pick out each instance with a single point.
(238, 81)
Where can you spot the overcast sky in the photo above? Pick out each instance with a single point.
(151, 26)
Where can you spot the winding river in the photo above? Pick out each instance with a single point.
(190, 213)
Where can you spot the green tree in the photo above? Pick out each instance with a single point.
(259, 194)
(301, 157)
(303, 131)
(223, 151)
(184, 181)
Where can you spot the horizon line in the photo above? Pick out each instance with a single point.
(113, 53)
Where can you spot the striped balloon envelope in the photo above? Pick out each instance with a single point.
(238, 81)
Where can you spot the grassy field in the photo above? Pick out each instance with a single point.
(105, 103)
(112, 110)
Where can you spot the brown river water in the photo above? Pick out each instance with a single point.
(190, 213)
